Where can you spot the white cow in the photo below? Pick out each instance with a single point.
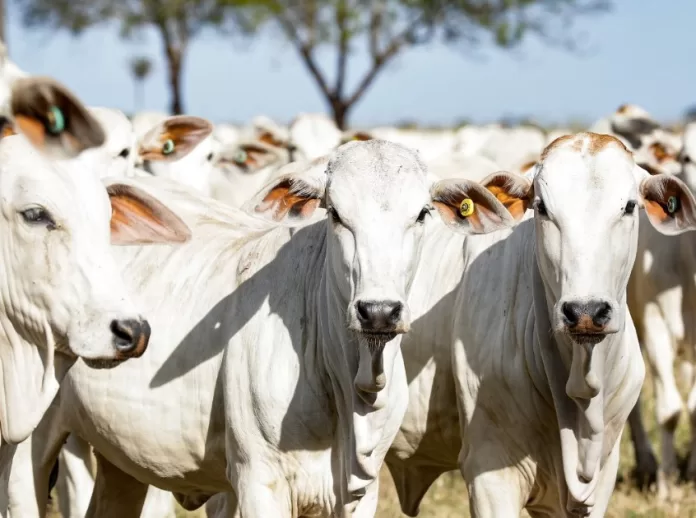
(523, 361)
(314, 134)
(243, 169)
(62, 296)
(276, 373)
(9, 73)
(662, 298)
(180, 148)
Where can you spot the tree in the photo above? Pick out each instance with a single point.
(176, 21)
(140, 68)
(387, 28)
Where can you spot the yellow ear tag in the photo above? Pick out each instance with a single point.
(466, 207)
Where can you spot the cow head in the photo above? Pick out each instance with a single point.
(587, 193)
(179, 148)
(116, 157)
(379, 200)
(60, 289)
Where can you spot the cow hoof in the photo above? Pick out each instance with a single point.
(644, 475)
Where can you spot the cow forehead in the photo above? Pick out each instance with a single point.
(69, 186)
(378, 172)
(599, 165)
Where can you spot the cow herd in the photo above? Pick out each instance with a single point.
(257, 319)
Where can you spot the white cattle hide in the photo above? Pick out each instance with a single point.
(318, 307)
(523, 361)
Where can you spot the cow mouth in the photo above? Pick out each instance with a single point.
(103, 363)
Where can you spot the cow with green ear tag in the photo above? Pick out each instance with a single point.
(534, 366)
(662, 299)
(179, 148)
(62, 296)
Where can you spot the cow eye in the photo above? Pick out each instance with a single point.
(124, 152)
(630, 207)
(38, 216)
(685, 159)
(541, 208)
(209, 157)
(423, 214)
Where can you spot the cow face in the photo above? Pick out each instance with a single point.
(60, 290)
(587, 193)
(116, 157)
(379, 198)
(179, 148)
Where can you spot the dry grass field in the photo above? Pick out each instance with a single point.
(447, 497)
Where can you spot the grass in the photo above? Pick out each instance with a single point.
(447, 497)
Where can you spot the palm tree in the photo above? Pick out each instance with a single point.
(141, 67)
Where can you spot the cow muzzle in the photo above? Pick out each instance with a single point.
(587, 320)
(130, 337)
(379, 317)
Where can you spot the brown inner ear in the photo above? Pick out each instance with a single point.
(515, 206)
(448, 202)
(32, 99)
(267, 138)
(281, 200)
(135, 222)
(658, 210)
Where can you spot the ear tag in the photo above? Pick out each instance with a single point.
(56, 120)
(168, 147)
(672, 204)
(466, 207)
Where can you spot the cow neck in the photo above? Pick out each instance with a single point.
(580, 393)
(30, 374)
(352, 362)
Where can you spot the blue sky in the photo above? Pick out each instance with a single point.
(643, 52)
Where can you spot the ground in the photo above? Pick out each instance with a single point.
(447, 497)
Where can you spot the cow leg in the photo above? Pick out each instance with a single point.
(691, 406)
(605, 487)
(645, 471)
(158, 504)
(367, 505)
(259, 499)
(75, 477)
(492, 493)
(661, 352)
(222, 505)
(116, 494)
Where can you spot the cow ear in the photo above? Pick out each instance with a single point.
(514, 191)
(289, 197)
(668, 203)
(6, 127)
(138, 218)
(174, 138)
(53, 119)
(248, 156)
(469, 207)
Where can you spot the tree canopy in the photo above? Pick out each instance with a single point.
(381, 28)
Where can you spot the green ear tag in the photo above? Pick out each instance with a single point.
(168, 147)
(56, 121)
(672, 204)
(241, 156)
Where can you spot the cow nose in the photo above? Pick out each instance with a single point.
(130, 337)
(591, 316)
(379, 316)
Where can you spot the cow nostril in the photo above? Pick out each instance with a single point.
(363, 311)
(395, 312)
(601, 314)
(571, 312)
(126, 334)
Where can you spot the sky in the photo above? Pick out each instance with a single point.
(642, 52)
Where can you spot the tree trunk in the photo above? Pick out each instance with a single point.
(340, 110)
(174, 61)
